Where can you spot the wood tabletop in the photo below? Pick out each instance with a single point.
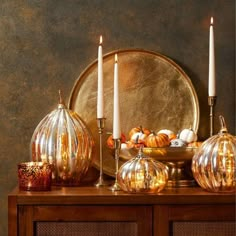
(92, 195)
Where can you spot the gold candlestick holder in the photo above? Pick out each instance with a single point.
(211, 103)
(101, 182)
(117, 145)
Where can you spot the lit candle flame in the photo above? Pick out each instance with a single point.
(100, 42)
(116, 58)
(211, 20)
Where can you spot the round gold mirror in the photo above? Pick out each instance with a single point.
(154, 92)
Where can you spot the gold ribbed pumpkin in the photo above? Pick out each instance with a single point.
(63, 140)
(142, 174)
(214, 164)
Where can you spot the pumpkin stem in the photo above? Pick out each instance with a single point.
(141, 129)
(178, 133)
(140, 151)
(61, 104)
(60, 97)
(223, 125)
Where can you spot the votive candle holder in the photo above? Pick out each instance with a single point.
(34, 176)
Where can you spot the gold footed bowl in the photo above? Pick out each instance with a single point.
(177, 159)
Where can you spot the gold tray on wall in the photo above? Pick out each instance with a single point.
(154, 92)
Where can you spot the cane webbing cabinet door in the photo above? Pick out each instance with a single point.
(197, 220)
(85, 220)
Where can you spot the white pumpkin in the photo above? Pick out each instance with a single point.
(168, 132)
(165, 131)
(188, 135)
(138, 137)
(177, 143)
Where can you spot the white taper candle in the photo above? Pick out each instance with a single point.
(100, 92)
(211, 79)
(116, 108)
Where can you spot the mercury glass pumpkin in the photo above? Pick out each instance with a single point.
(142, 174)
(63, 140)
(214, 164)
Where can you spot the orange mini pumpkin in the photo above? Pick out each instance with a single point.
(157, 140)
(110, 141)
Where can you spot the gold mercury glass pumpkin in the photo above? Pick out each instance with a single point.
(213, 165)
(62, 139)
(142, 174)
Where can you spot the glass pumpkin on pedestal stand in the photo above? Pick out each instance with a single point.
(214, 164)
(63, 140)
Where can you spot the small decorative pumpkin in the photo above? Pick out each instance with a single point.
(139, 135)
(177, 143)
(157, 140)
(110, 141)
(214, 164)
(170, 133)
(138, 130)
(129, 144)
(188, 135)
(142, 174)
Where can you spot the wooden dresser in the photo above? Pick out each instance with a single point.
(89, 211)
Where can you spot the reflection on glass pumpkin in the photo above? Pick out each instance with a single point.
(214, 164)
(62, 139)
(142, 174)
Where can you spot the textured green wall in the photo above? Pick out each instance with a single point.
(45, 45)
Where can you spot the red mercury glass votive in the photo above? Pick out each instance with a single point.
(34, 176)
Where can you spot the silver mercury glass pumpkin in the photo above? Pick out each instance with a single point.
(214, 164)
(63, 140)
(142, 174)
